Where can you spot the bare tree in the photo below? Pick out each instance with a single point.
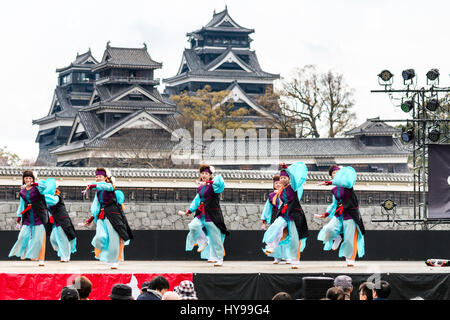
(337, 101)
(303, 99)
(282, 119)
(316, 100)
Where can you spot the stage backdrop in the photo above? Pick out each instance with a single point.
(439, 181)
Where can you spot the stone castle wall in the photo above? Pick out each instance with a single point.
(163, 216)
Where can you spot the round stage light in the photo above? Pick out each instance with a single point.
(434, 135)
(385, 75)
(408, 74)
(432, 104)
(388, 204)
(433, 74)
(407, 135)
(407, 106)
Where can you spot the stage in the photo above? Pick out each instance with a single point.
(247, 274)
(229, 267)
(235, 280)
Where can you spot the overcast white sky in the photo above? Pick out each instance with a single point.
(354, 37)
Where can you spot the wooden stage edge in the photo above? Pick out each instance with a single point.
(229, 267)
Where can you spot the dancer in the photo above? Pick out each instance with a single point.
(269, 214)
(207, 229)
(346, 227)
(113, 231)
(32, 219)
(290, 226)
(63, 236)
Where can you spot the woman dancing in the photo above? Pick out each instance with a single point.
(269, 214)
(113, 231)
(346, 227)
(63, 236)
(32, 219)
(207, 229)
(290, 226)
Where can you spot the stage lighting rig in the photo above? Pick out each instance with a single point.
(433, 75)
(432, 104)
(407, 106)
(386, 78)
(408, 75)
(434, 134)
(388, 205)
(407, 135)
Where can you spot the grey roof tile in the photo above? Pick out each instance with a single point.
(370, 127)
(127, 57)
(172, 173)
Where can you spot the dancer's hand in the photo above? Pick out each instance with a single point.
(17, 226)
(184, 213)
(325, 183)
(321, 216)
(264, 225)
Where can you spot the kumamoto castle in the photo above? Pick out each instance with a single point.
(108, 111)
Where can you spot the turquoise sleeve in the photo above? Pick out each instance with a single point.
(51, 200)
(332, 208)
(95, 207)
(298, 172)
(345, 177)
(195, 203)
(47, 186)
(267, 212)
(104, 186)
(21, 207)
(120, 196)
(218, 184)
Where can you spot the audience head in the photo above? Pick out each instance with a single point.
(282, 296)
(158, 283)
(365, 291)
(381, 290)
(170, 295)
(121, 292)
(69, 293)
(186, 290)
(83, 286)
(335, 293)
(345, 283)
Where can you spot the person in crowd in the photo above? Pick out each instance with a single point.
(282, 296)
(84, 287)
(69, 293)
(335, 293)
(154, 289)
(121, 292)
(170, 295)
(381, 290)
(365, 291)
(345, 283)
(186, 290)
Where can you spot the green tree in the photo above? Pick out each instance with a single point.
(212, 108)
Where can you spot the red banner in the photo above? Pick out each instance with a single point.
(47, 286)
